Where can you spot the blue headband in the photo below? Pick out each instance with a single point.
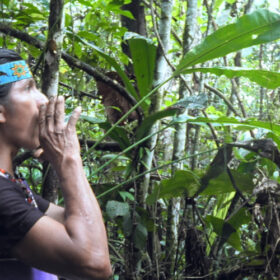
(14, 71)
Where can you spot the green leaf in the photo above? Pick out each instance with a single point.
(216, 168)
(143, 54)
(91, 36)
(115, 209)
(264, 78)
(231, 121)
(86, 3)
(259, 27)
(222, 184)
(148, 122)
(217, 4)
(225, 231)
(275, 138)
(126, 195)
(140, 236)
(119, 134)
(240, 218)
(182, 183)
(223, 202)
(192, 102)
(92, 119)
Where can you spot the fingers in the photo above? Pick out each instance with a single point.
(74, 118)
(50, 114)
(38, 152)
(59, 114)
(42, 118)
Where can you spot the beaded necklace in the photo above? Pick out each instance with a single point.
(29, 197)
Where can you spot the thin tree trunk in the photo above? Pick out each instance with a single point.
(137, 24)
(50, 82)
(179, 149)
(160, 74)
(156, 102)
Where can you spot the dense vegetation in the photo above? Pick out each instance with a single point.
(179, 131)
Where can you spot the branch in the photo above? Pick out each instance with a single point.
(218, 93)
(109, 146)
(213, 132)
(79, 92)
(72, 61)
(263, 147)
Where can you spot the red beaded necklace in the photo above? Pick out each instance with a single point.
(29, 197)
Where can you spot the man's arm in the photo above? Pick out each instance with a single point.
(56, 212)
(78, 248)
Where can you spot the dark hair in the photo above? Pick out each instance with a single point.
(7, 55)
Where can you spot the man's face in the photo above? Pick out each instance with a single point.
(21, 113)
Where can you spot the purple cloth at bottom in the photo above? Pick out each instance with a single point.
(16, 270)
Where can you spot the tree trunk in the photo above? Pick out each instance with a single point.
(156, 102)
(137, 24)
(50, 81)
(160, 74)
(179, 148)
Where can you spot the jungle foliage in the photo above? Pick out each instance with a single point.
(212, 213)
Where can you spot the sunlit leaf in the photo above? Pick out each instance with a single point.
(143, 54)
(259, 27)
(264, 78)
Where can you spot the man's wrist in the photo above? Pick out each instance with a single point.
(69, 166)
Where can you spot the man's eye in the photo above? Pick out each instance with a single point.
(29, 87)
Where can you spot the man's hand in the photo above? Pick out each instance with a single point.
(58, 140)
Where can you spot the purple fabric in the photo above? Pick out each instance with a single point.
(41, 275)
(15, 270)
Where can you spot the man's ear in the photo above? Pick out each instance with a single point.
(2, 114)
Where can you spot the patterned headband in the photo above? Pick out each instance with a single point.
(14, 71)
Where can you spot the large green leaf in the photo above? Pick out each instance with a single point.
(259, 27)
(143, 54)
(241, 217)
(140, 236)
(119, 134)
(148, 122)
(231, 121)
(182, 183)
(267, 79)
(225, 231)
(190, 102)
(222, 184)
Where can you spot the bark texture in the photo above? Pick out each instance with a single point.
(50, 82)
